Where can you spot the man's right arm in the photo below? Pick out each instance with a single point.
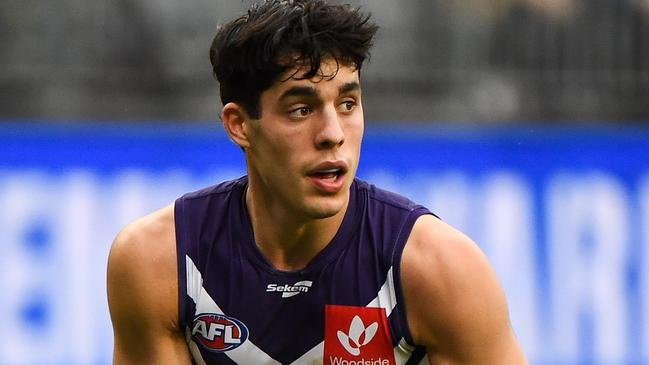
(143, 293)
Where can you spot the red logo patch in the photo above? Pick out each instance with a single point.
(357, 336)
(218, 332)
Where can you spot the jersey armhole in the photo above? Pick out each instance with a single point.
(402, 238)
(181, 264)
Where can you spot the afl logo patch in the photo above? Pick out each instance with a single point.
(218, 332)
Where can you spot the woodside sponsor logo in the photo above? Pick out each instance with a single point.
(357, 336)
(351, 341)
(340, 361)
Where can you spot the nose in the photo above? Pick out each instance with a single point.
(330, 132)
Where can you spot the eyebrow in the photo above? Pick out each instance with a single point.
(311, 92)
(300, 91)
(350, 86)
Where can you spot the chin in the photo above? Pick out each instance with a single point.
(324, 215)
(321, 210)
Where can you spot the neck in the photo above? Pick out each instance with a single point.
(289, 240)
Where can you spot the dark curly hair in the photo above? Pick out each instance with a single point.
(251, 52)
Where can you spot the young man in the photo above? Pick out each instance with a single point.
(299, 262)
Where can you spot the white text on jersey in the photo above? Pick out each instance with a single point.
(290, 290)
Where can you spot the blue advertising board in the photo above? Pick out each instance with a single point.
(562, 214)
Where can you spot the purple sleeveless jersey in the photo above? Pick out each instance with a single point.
(345, 307)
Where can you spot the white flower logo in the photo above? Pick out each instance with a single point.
(351, 342)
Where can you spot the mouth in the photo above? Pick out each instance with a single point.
(328, 170)
(328, 176)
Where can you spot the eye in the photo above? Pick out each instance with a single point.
(300, 112)
(347, 106)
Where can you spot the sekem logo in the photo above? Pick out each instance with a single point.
(357, 336)
(290, 290)
(218, 332)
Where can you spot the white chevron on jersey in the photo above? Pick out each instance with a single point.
(386, 298)
(247, 352)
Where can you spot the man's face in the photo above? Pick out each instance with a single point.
(304, 149)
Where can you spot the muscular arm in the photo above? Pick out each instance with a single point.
(455, 305)
(142, 293)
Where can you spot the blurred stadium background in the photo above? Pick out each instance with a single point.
(523, 122)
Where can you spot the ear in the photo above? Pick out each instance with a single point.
(236, 123)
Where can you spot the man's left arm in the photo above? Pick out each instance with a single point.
(455, 305)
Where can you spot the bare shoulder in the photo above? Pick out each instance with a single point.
(144, 232)
(143, 290)
(145, 249)
(455, 305)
